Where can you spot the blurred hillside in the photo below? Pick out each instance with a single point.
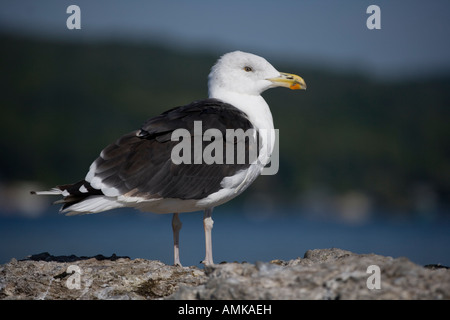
(347, 141)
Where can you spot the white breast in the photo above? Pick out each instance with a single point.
(259, 114)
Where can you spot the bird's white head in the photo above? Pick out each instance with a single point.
(246, 73)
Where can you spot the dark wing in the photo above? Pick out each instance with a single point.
(140, 164)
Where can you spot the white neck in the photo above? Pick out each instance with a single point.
(254, 106)
(258, 112)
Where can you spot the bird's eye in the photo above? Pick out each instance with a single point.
(248, 69)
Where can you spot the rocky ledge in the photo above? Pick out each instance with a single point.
(320, 274)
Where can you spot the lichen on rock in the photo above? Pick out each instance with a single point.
(320, 274)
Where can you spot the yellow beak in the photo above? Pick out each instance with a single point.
(291, 81)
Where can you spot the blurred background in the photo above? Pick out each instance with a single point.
(364, 152)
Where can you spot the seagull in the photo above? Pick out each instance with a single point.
(139, 169)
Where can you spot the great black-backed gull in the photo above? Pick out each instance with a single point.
(139, 171)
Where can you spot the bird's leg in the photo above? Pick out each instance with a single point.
(208, 225)
(176, 226)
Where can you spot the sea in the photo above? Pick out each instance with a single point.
(237, 236)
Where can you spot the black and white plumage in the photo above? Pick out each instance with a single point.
(137, 170)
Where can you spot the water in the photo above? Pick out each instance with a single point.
(236, 237)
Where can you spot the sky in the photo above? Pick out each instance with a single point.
(413, 40)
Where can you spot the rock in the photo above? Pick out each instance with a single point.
(320, 274)
(69, 277)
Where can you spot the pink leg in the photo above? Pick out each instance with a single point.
(208, 225)
(176, 226)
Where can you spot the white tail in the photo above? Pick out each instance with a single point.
(52, 192)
